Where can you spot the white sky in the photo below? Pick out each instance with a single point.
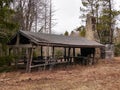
(67, 14)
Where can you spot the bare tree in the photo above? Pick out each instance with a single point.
(25, 13)
(34, 15)
(49, 13)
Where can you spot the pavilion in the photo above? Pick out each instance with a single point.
(31, 40)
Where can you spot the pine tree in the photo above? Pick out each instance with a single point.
(7, 24)
(66, 33)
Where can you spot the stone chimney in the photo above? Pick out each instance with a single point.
(91, 33)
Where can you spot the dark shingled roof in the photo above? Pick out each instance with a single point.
(59, 40)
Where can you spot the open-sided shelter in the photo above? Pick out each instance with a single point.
(30, 40)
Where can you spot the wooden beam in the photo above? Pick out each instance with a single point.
(21, 46)
(45, 64)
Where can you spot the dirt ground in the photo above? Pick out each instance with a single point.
(105, 75)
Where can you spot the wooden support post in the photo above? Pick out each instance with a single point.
(80, 51)
(9, 51)
(16, 49)
(29, 61)
(69, 60)
(41, 51)
(31, 57)
(65, 54)
(53, 51)
(16, 53)
(93, 56)
(73, 54)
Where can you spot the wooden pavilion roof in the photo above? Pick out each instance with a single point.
(37, 38)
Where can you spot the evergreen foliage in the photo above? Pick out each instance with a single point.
(81, 30)
(66, 33)
(7, 24)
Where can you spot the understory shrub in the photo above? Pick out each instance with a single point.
(117, 50)
(6, 60)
